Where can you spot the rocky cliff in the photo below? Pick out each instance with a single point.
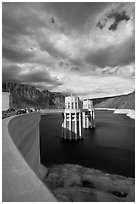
(118, 102)
(24, 95)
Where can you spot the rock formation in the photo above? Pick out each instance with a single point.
(24, 95)
(74, 183)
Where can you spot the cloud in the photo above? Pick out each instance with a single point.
(21, 18)
(38, 76)
(16, 55)
(74, 15)
(30, 75)
(113, 16)
(69, 54)
(10, 73)
(124, 71)
(95, 85)
(113, 55)
(50, 47)
(76, 69)
(116, 16)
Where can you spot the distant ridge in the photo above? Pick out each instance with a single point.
(119, 102)
(24, 95)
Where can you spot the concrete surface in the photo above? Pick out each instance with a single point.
(5, 100)
(46, 111)
(20, 143)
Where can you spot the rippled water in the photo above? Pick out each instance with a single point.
(110, 147)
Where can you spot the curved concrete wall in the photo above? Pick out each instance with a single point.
(20, 151)
(24, 131)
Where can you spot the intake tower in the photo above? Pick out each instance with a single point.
(72, 119)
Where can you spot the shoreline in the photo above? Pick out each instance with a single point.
(128, 112)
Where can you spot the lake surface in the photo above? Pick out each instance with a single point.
(110, 147)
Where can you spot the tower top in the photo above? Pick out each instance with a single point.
(72, 102)
(88, 104)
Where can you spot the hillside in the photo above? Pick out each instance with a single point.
(119, 102)
(24, 95)
(99, 100)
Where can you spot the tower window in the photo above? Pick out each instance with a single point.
(72, 105)
(76, 105)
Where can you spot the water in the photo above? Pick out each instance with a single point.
(110, 147)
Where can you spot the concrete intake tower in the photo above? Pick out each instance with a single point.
(72, 119)
(75, 118)
(88, 114)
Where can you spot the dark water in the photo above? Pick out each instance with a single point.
(110, 147)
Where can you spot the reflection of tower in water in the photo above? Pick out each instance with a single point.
(75, 118)
(72, 119)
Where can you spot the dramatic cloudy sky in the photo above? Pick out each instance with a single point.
(81, 48)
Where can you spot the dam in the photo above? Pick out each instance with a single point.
(22, 171)
(26, 155)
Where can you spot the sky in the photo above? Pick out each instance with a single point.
(86, 49)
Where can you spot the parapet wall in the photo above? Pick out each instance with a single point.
(21, 165)
(24, 131)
